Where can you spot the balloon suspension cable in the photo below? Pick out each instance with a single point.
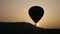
(35, 24)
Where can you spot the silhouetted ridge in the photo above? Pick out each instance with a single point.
(24, 28)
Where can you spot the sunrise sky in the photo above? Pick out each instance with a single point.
(17, 11)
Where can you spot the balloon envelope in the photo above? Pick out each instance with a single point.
(36, 13)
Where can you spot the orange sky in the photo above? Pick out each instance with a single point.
(17, 11)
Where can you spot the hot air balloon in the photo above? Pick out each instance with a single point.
(36, 13)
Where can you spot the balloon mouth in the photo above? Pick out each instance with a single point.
(36, 13)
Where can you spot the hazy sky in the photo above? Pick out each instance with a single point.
(17, 11)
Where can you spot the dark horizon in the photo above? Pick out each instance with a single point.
(24, 28)
(7, 23)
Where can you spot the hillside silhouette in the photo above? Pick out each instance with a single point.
(24, 28)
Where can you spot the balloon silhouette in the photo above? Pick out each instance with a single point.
(36, 13)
